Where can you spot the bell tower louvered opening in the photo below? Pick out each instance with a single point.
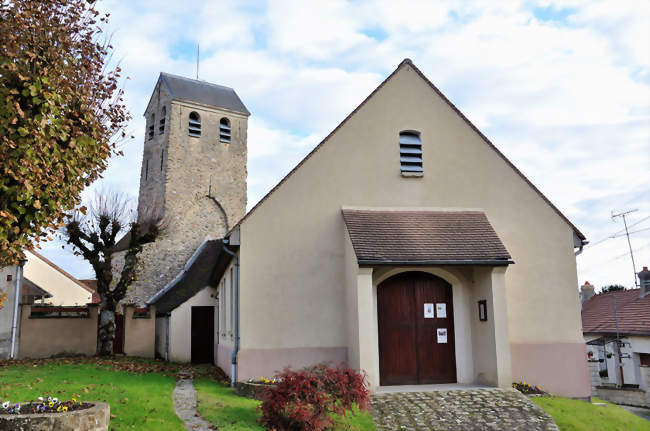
(224, 130)
(194, 128)
(410, 152)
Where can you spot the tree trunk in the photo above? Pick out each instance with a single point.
(106, 333)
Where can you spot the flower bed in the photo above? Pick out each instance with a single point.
(254, 389)
(43, 405)
(528, 389)
(90, 416)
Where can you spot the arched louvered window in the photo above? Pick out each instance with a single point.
(151, 126)
(161, 125)
(224, 130)
(195, 125)
(410, 152)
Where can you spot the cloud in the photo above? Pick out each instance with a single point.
(561, 87)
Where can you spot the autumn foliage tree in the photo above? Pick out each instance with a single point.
(61, 114)
(94, 236)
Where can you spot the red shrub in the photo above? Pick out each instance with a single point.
(303, 400)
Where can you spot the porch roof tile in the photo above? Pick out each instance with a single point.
(418, 237)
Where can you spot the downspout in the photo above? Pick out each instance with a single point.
(235, 350)
(19, 286)
(167, 317)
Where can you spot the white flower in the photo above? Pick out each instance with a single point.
(5, 404)
(40, 398)
(49, 398)
(55, 400)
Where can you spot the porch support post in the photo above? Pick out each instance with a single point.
(368, 338)
(501, 337)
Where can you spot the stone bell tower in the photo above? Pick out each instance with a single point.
(193, 176)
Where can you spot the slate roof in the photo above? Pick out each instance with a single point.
(200, 271)
(202, 92)
(424, 237)
(633, 313)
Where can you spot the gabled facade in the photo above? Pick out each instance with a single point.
(309, 293)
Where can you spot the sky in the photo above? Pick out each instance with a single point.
(562, 88)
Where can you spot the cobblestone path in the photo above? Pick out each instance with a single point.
(472, 409)
(185, 406)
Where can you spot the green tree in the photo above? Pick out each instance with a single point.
(612, 288)
(61, 114)
(94, 235)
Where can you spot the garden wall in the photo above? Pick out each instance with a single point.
(49, 331)
(139, 331)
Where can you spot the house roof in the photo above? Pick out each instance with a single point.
(198, 273)
(632, 310)
(419, 237)
(33, 290)
(92, 283)
(404, 63)
(202, 92)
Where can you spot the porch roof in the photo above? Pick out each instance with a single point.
(423, 237)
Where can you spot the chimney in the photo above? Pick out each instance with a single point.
(644, 281)
(586, 292)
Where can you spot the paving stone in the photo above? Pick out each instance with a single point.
(472, 409)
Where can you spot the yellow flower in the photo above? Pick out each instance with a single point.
(58, 409)
(74, 400)
(65, 409)
(51, 404)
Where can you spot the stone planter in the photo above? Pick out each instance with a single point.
(251, 390)
(95, 418)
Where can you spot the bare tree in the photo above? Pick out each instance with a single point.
(93, 233)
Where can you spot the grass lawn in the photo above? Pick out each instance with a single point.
(138, 401)
(574, 415)
(229, 412)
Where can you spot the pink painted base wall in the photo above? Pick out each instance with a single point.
(254, 363)
(223, 359)
(560, 369)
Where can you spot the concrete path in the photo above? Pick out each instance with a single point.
(641, 412)
(185, 406)
(472, 409)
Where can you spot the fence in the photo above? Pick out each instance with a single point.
(58, 331)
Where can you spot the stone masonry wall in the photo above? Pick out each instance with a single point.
(199, 193)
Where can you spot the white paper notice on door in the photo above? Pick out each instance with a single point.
(428, 311)
(442, 335)
(441, 310)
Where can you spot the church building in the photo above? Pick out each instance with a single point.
(405, 244)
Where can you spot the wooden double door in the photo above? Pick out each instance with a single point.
(416, 330)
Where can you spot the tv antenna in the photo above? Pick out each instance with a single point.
(627, 234)
(197, 61)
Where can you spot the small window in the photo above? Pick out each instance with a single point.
(161, 126)
(224, 130)
(152, 120)
(146, 169)
(195, 125)
(410, 153)
(162, 159)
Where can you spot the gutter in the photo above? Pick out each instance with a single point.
(235, 350)
(486, 262)
(14, 326)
